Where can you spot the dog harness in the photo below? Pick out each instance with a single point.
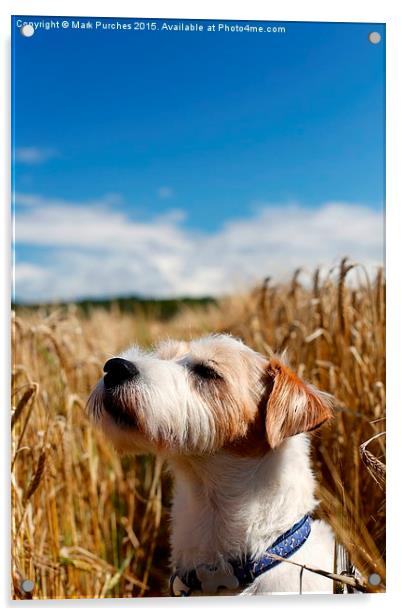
(236, 573)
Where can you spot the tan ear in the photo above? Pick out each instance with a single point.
(292, 406)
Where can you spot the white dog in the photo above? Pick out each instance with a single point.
(232, 426)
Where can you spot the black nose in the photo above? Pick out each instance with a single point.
(118, 371)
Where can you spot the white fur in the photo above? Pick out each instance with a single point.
(226, 505)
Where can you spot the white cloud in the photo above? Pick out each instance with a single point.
(34, 155)
(95, 249)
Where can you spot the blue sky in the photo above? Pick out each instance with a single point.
(200, 133)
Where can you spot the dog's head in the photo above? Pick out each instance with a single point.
(201, 396)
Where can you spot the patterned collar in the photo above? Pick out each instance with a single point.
(237, 573)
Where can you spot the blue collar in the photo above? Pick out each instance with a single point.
(237, 573)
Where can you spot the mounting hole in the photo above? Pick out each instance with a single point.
(27, 30)
(374, 579)
(374, 38)
(27, 585)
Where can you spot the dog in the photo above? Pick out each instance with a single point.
(233, 427)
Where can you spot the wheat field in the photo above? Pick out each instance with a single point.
(87, 524)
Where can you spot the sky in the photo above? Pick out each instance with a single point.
(166, 163)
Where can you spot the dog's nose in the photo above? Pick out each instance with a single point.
(118, 371)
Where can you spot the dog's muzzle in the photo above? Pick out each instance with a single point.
(118, 373)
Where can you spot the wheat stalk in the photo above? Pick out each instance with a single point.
(373, 464)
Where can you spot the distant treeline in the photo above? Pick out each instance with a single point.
(156, 308)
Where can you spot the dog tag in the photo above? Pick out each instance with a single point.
(213, 577)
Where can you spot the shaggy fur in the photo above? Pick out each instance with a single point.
(231, 425)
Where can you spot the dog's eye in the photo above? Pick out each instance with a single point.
(204, 371)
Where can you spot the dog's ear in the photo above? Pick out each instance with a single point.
(292, 405)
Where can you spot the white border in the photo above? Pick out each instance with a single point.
(386, 11)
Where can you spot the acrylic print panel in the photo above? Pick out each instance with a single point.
(191, 199)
